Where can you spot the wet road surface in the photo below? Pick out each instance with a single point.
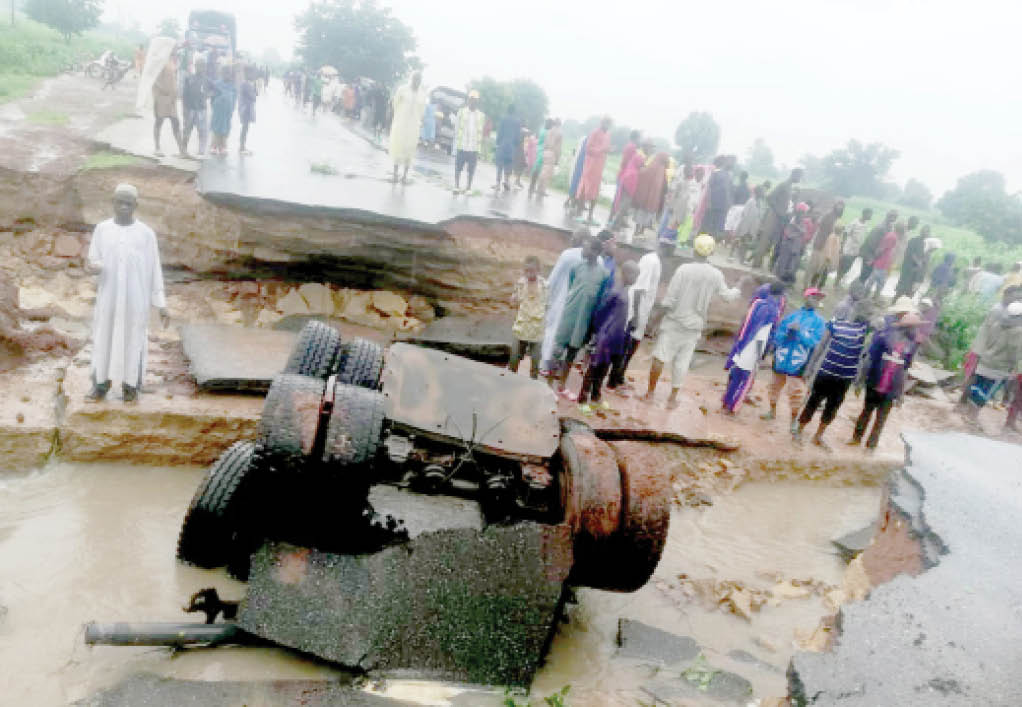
(287, 142)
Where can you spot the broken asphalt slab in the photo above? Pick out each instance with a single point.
(948, 636)
(234, 358)
(638, 640)
(851, 544)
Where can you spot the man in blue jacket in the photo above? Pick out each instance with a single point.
(794, 341)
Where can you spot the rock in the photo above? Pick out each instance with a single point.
(420, 308)
(638, 640)
(389, 303)
(851, 544)
(340, 298)
(267, 318)
(35, 298)
(787, 590)
(741, 603)
(51, 262)
(67, 246)
(765, 644)
(318, 297)
(358, 303)
(293, 304)
(226, 313)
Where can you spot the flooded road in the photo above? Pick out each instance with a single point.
(96, 542)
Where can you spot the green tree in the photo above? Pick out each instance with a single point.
(529, 98)
(494, 96)
(169, 27)
(858, 169)
(530, 101)
(697, 137)
(916, 195)
(760, 160)
(813, 168)
(358, 37)
(619, 137)
(69, 17)
(979, 201)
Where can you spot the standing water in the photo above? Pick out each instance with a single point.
(96, 542)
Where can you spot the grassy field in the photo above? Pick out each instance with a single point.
(30, 52)
(104, 159)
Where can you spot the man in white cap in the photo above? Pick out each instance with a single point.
(686, 302)
(124, 254)
(468, 139)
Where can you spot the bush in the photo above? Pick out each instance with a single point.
(957, 326)
(30, 50)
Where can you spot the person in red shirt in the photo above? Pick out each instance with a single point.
(884, 258)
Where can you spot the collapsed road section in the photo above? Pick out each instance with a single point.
(419, 513)
(940, 631)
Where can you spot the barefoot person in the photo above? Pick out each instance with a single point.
(611, 339)
(165, 106)
(586, 285)
(686, 302)
(890, 355)
(408, 104)
(124, 254)
(836, 363)
(751, 345)
(247, 95)
(794, 341)
(596, 148)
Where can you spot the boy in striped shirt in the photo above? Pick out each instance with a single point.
(837, 359)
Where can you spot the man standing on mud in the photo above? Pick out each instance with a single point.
(775, 217)
(686, 303)
(124, 254)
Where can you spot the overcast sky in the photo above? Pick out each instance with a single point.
(937, 80)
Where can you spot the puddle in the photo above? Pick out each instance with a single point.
(96, 542)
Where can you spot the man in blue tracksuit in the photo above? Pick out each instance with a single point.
(794, 340)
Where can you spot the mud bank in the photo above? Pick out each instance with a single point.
(464, 265)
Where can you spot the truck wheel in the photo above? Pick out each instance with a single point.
(290, 422)
(645, 518)
(356, 426)
(590, 486)
(361, 364)
(212, 519)
(316, 353)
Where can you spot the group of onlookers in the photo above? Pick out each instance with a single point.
(209, 89)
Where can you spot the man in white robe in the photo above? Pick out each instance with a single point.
(409, 106)
(124, 254)
(557, 294)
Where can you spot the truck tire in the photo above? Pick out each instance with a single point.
(355, 429)
(316, 353)
(361, 364)
(214, 515)
(289, 423)
(645, 519)
(590, 488)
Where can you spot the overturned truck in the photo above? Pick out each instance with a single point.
(409, 511)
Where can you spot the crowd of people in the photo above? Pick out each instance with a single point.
(596, 308)
(209, 88)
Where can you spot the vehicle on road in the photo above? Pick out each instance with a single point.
(212, 29)
(448, 102)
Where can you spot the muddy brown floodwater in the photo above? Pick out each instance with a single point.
(96, 542)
